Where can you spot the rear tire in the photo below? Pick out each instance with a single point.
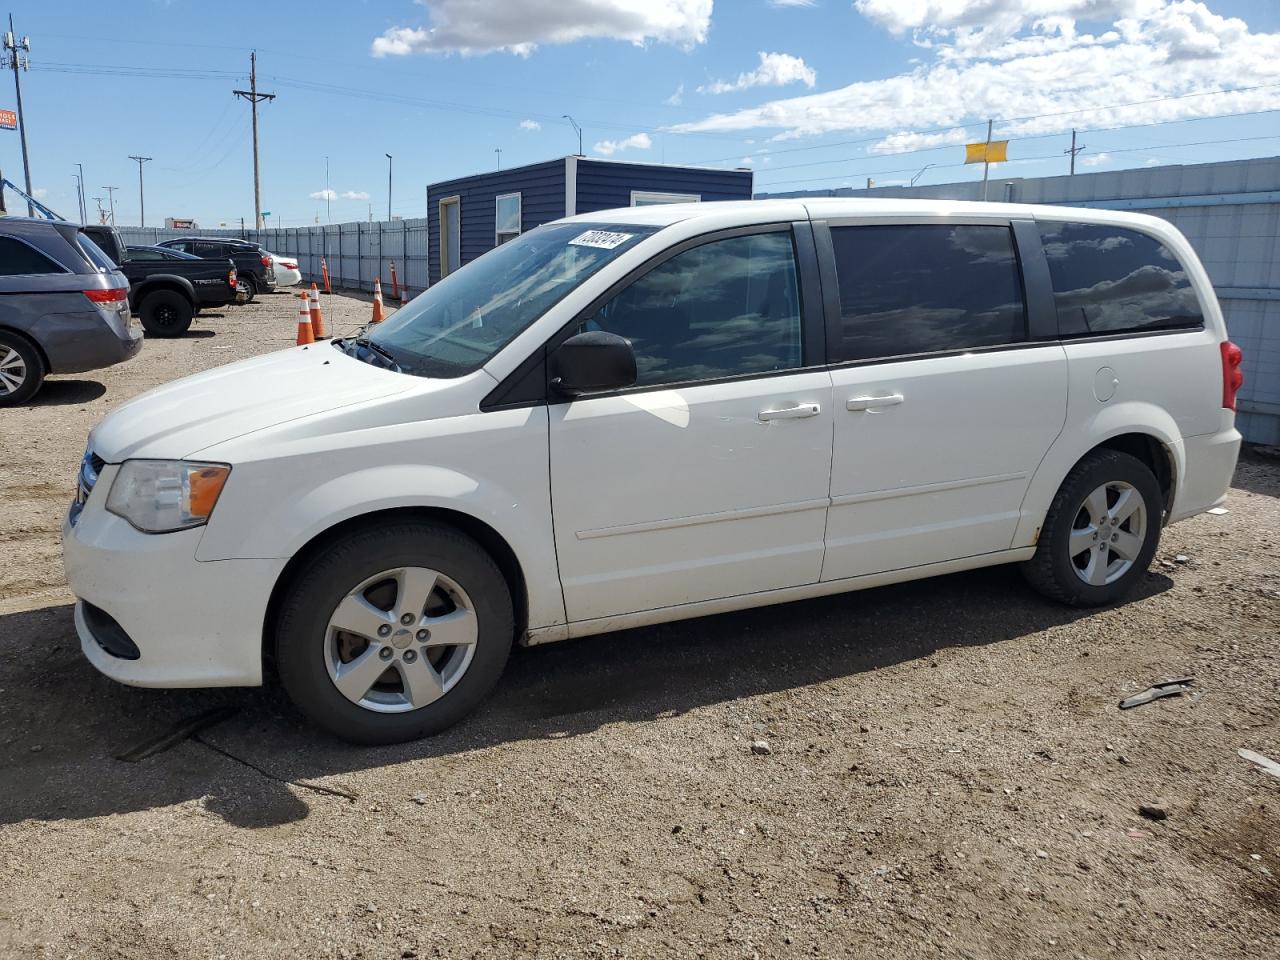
(1100, 532)
(400, 653)
(21, 369)
(165, 313)
(249, 287)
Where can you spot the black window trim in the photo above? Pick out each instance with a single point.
(528, 385)
(48, 256)
(1040, 314)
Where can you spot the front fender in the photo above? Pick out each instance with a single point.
(1108, 422)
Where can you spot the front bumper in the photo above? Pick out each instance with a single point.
(195, 624)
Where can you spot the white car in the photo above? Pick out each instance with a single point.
(651, 414)
(287, 272)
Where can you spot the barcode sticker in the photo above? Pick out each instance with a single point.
(601, 238)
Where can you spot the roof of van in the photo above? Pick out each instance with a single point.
(661, 215)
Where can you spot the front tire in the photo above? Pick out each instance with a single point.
(21, 370)
(1100, 532)
(395, 632)
(165, 313)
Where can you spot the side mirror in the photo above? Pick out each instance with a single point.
(592, 362)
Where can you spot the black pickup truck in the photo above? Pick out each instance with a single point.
(256, 272)
(167, 288)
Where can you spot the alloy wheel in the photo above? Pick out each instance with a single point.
(401, 640)
(13, 371)
(1108, 534)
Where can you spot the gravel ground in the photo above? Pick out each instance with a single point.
(946, 774)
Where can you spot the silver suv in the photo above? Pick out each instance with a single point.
(64, 306)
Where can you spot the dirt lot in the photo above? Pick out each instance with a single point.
(949, 774)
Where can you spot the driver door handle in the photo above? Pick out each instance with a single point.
(798, 412)
(870, 403)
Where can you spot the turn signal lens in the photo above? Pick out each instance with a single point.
(160, 496)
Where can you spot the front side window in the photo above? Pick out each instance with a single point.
(1112, 280)
(17, 259)
(725, 308)
(142, 254)
(507, 210)
(925, 288)
(458, 324)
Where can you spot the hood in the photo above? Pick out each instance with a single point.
(188, 415)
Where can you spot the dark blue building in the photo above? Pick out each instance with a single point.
(473, 214)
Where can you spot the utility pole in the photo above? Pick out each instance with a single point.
(254, 98)
(102, 214)
(388, 156)
(574, 124)
(1073, 151)
(141, 203)
(986, 163)
(19, 63)
(84, 207)
(111, 193)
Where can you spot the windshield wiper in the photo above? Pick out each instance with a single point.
(366, 351)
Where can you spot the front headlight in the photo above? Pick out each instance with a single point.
(160, 496)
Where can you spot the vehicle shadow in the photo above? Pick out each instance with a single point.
(57, 393)
(62, 724)
(195, 334)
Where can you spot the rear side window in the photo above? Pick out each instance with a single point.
(95, 254)
(925, 288)
(1113, 280)
(17, 259)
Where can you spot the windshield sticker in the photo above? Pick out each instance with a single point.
(602, 239)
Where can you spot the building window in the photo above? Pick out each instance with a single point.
(649, 198)
(507, 208)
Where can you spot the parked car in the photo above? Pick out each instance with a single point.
(167, 288)
(286, 268)
(64, 308)
(651, 414)
(254, 271)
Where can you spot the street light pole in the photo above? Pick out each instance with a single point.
(388, 156)
(574, 124)
(328, 212)
(84, 207)
(142, 204)
(498, 151)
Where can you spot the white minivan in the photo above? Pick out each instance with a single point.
(651, 414)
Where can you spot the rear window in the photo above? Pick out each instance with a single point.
(1113, 280)
(925, 288)
(95, 254)
(17, 259)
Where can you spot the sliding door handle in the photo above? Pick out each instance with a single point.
(871, 403)
(798, 412)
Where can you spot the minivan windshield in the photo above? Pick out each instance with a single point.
(458, 324)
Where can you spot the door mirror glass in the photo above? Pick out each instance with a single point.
(592, 362)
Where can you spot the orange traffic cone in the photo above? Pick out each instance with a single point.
(317, 318)
(395, 284)
(377, 301)
(324, 272)
(305, 335)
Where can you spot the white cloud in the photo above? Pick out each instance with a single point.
(1095, 159)
(775, 70)
(354, 195)
(518, 26)
(791, 3)
(323, 195)
(1026, 58)
(39, 192)
(639, 141)
(530, 125)
(676, 98)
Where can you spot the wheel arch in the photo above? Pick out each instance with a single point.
(173, 284)
(34, 343)
(490, 539)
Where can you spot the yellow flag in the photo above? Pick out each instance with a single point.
(997, 151)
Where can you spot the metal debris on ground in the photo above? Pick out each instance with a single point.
(1165, 688)
(182, 730)
(1265, 764)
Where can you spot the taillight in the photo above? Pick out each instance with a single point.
(288, 265)
(114, 295)
(232, 277)
(1232, 375)
(266, 261)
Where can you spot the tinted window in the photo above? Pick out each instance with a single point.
(724, 308)
(142, 253)
(925, 288)
(1109, 280)
(95, 254)
(18, 259)
(209, 250)
(181, 246)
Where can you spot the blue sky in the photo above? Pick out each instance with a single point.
(807, 92)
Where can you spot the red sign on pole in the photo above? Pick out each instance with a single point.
(8, 120)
